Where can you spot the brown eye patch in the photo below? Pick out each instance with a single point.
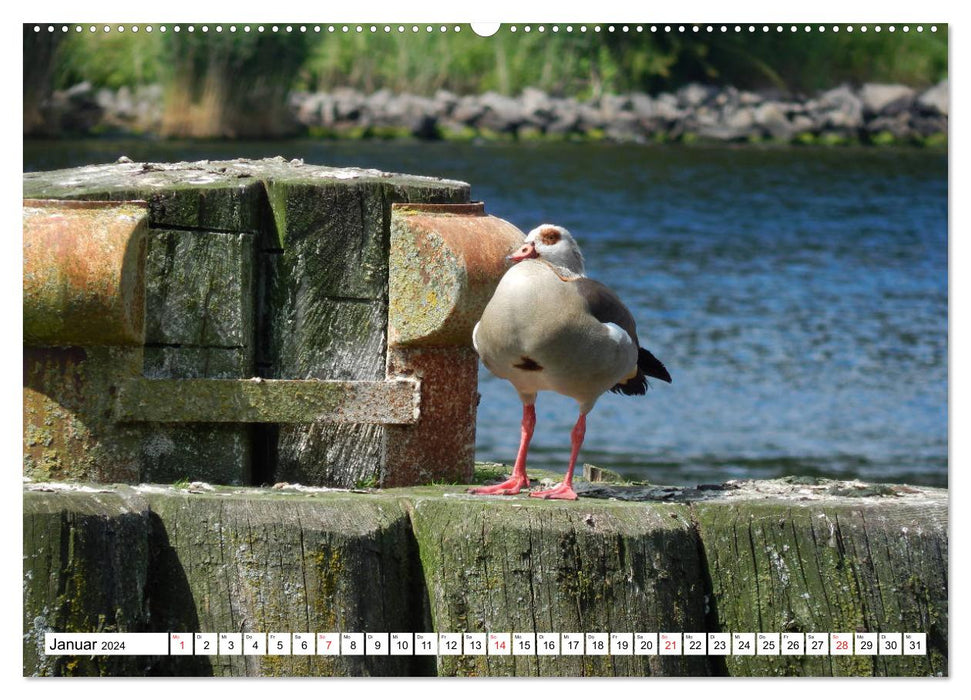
(549, 236)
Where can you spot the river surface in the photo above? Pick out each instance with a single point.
(798, 296)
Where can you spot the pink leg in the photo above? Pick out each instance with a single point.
(518, 480)
(565, 490)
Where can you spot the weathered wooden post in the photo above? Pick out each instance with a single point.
(787, 555)
(265, 355)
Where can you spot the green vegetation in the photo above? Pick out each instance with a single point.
(565, 63)
(589, 63)
(39, 52)
(229, 85)
(234, 83)
(113, 59)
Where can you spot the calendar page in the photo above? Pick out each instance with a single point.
(671, 400)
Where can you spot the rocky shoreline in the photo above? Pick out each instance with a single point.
(871, 113)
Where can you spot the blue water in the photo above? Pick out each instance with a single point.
(797, 295)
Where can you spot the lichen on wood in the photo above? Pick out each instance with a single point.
(85, 570)
(838, 564)
(509, 565)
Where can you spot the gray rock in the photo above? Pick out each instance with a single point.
(468, 110)
(750, 99)
(73, 110)
(105, 99)
(936, 100)
(704, 116)
(725, 125)
(642, 105)
(502, 113)
(349, 105)
(611, 106)
(666, 108)
(419, 115)
(538, 108)
(773, 121)
(886, 100)
(695, 95)
(590, 117)
(802, 124)
(535, 100)
(728, 96)
(124, 104)
(307, 108)
(743, 118)
(564, 123)
(840, 109)
(723, 132)
(724, 114)
(424, 126)
(446, 101)
(81, 92)
(380, 100)
(898, 125)
(790, 109)
(838, 98)
(566, 117)
(927, 124)
(626, 128)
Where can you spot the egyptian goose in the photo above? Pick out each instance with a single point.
(549, 327)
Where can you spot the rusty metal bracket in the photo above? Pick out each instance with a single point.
(445, 262)
(393, 401)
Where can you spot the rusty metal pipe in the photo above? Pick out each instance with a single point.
(446, 260)
(84, 273)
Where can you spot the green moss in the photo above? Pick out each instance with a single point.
(530, 133)
(388, 133)
(465, 133)
(883, 138)
(322, 133)
(833, 138)
(370, 482)
(493, 135)
(328, 565)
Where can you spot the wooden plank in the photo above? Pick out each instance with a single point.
(200, 289)
(268, 401)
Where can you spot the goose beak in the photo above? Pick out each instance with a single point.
(527, 251)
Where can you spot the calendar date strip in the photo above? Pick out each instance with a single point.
(486, 644)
